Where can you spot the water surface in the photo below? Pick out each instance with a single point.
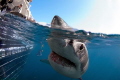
(23, 38)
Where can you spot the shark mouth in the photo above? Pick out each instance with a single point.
(61, 60)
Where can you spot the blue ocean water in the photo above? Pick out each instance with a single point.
(104, 52)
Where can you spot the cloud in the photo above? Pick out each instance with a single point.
(44, 24)
(104, 17)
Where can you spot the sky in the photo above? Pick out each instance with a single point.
(101, 16)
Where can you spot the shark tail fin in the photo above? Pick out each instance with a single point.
(45, 61)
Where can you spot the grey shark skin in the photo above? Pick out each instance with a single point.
(68, 57)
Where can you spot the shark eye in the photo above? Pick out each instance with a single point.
(71, 42)
(81, 47)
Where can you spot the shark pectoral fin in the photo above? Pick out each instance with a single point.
(45, 61)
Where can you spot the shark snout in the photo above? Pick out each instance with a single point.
(59, 23)
(56, 17)
(56, 21)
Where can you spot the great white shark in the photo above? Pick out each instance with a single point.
(69, 57)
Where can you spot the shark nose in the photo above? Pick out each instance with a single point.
(56, 20)
(56, 17)
(59, 23)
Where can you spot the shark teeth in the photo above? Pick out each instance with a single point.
(61, 60)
